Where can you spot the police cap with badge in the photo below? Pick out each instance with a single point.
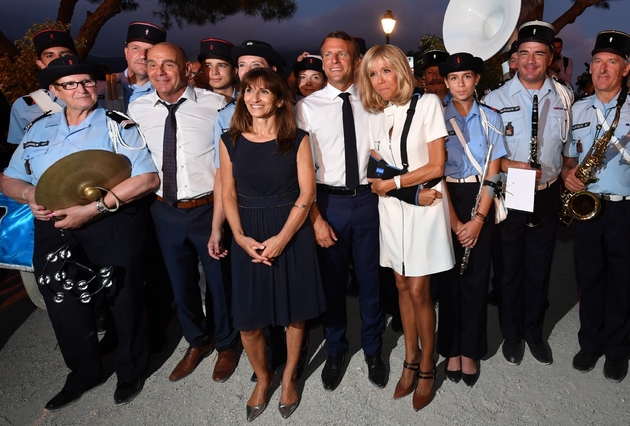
(612, 41)
(145, 32)
(215, 48)
(65, 66)
(260, 49)
(461, 62)
(536, 31)
(433, 57)
(51, 37)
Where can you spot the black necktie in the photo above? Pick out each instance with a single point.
(350, 142)
(169, 155)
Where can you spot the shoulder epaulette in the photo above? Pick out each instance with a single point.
(29, 125)
(120, 118)
(489, 107)
(232, 102)
(558, 80)
(28, 100)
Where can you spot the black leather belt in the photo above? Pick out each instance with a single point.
(344, 192)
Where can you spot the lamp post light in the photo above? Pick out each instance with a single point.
(388, 23)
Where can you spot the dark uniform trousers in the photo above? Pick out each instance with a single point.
(117, 240)
(354, 219)
(463, 309)
(183, 236)
(602, 258)
(527, 255)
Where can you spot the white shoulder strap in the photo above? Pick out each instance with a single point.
(43, 101)
(460, 136)
(613, 139)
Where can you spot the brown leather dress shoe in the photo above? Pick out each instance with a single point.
(225, 366)
(194, 355)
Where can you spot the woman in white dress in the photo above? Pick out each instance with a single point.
(415, 238)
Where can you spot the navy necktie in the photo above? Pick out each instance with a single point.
(169, 155)
(350, 142)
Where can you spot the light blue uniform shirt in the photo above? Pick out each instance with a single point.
(515, 105)
(458, 164)
(223, 125)
(132, 91)
(23, 112)
(50, 139)
(614, 175)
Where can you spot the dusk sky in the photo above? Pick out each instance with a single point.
(312, 21)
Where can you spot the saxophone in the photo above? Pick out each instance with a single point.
(584, 205)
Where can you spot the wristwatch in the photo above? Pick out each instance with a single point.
(101, 207)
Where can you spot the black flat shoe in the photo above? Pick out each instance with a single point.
(333, 372)
(541, 352)
(377, 371)
(585, 361)
(615, 369)
(513, 352)
(453, 376)
(471, 379)
(65, 398)
(127, 391)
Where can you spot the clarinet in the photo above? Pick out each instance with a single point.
(532, 220)
(473, 212)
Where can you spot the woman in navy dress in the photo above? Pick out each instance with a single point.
(268, 184)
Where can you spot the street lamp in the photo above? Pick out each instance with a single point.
(388, 23)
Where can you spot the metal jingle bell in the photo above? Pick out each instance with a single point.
(82, 285)
(85, 297)
(59, 297)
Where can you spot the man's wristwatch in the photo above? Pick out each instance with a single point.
(101, 207)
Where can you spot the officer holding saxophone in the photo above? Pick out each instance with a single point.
(599, 147)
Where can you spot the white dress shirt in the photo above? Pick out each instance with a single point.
(195, 137)
(320, 115)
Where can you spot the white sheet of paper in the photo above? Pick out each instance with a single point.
(519, 190)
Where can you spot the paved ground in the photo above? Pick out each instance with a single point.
(32, 371)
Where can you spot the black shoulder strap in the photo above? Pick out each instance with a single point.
(403, 138)
(565, 61)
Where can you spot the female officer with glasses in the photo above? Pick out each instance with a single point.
(72, 246)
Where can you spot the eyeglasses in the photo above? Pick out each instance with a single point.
(71, 85)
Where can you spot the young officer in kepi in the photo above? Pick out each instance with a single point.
(215, 58)
(602, 243)
(528, 239)
(49, 44)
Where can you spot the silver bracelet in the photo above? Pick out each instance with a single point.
(25, 193)
(303, 206)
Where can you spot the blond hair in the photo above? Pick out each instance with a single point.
(394, 58)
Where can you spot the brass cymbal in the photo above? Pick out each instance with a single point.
(73, 180)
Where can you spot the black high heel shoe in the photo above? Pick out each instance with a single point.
(453, 376)
(471, 379)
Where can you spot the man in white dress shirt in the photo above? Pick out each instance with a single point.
(345, 217)
(178, 122)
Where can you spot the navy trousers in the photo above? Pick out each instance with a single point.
(183, 235)
(118, 241)
(527, 255)
(355, 222)
(602, 249)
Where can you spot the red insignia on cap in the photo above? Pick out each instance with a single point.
(146, 32)
(212, 47)
(51, 35)
(70, 62)
(310, 61)
(459, 60)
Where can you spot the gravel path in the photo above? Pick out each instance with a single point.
(32, 371)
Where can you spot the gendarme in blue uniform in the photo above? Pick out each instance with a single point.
(23, 112)
(51, 139)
